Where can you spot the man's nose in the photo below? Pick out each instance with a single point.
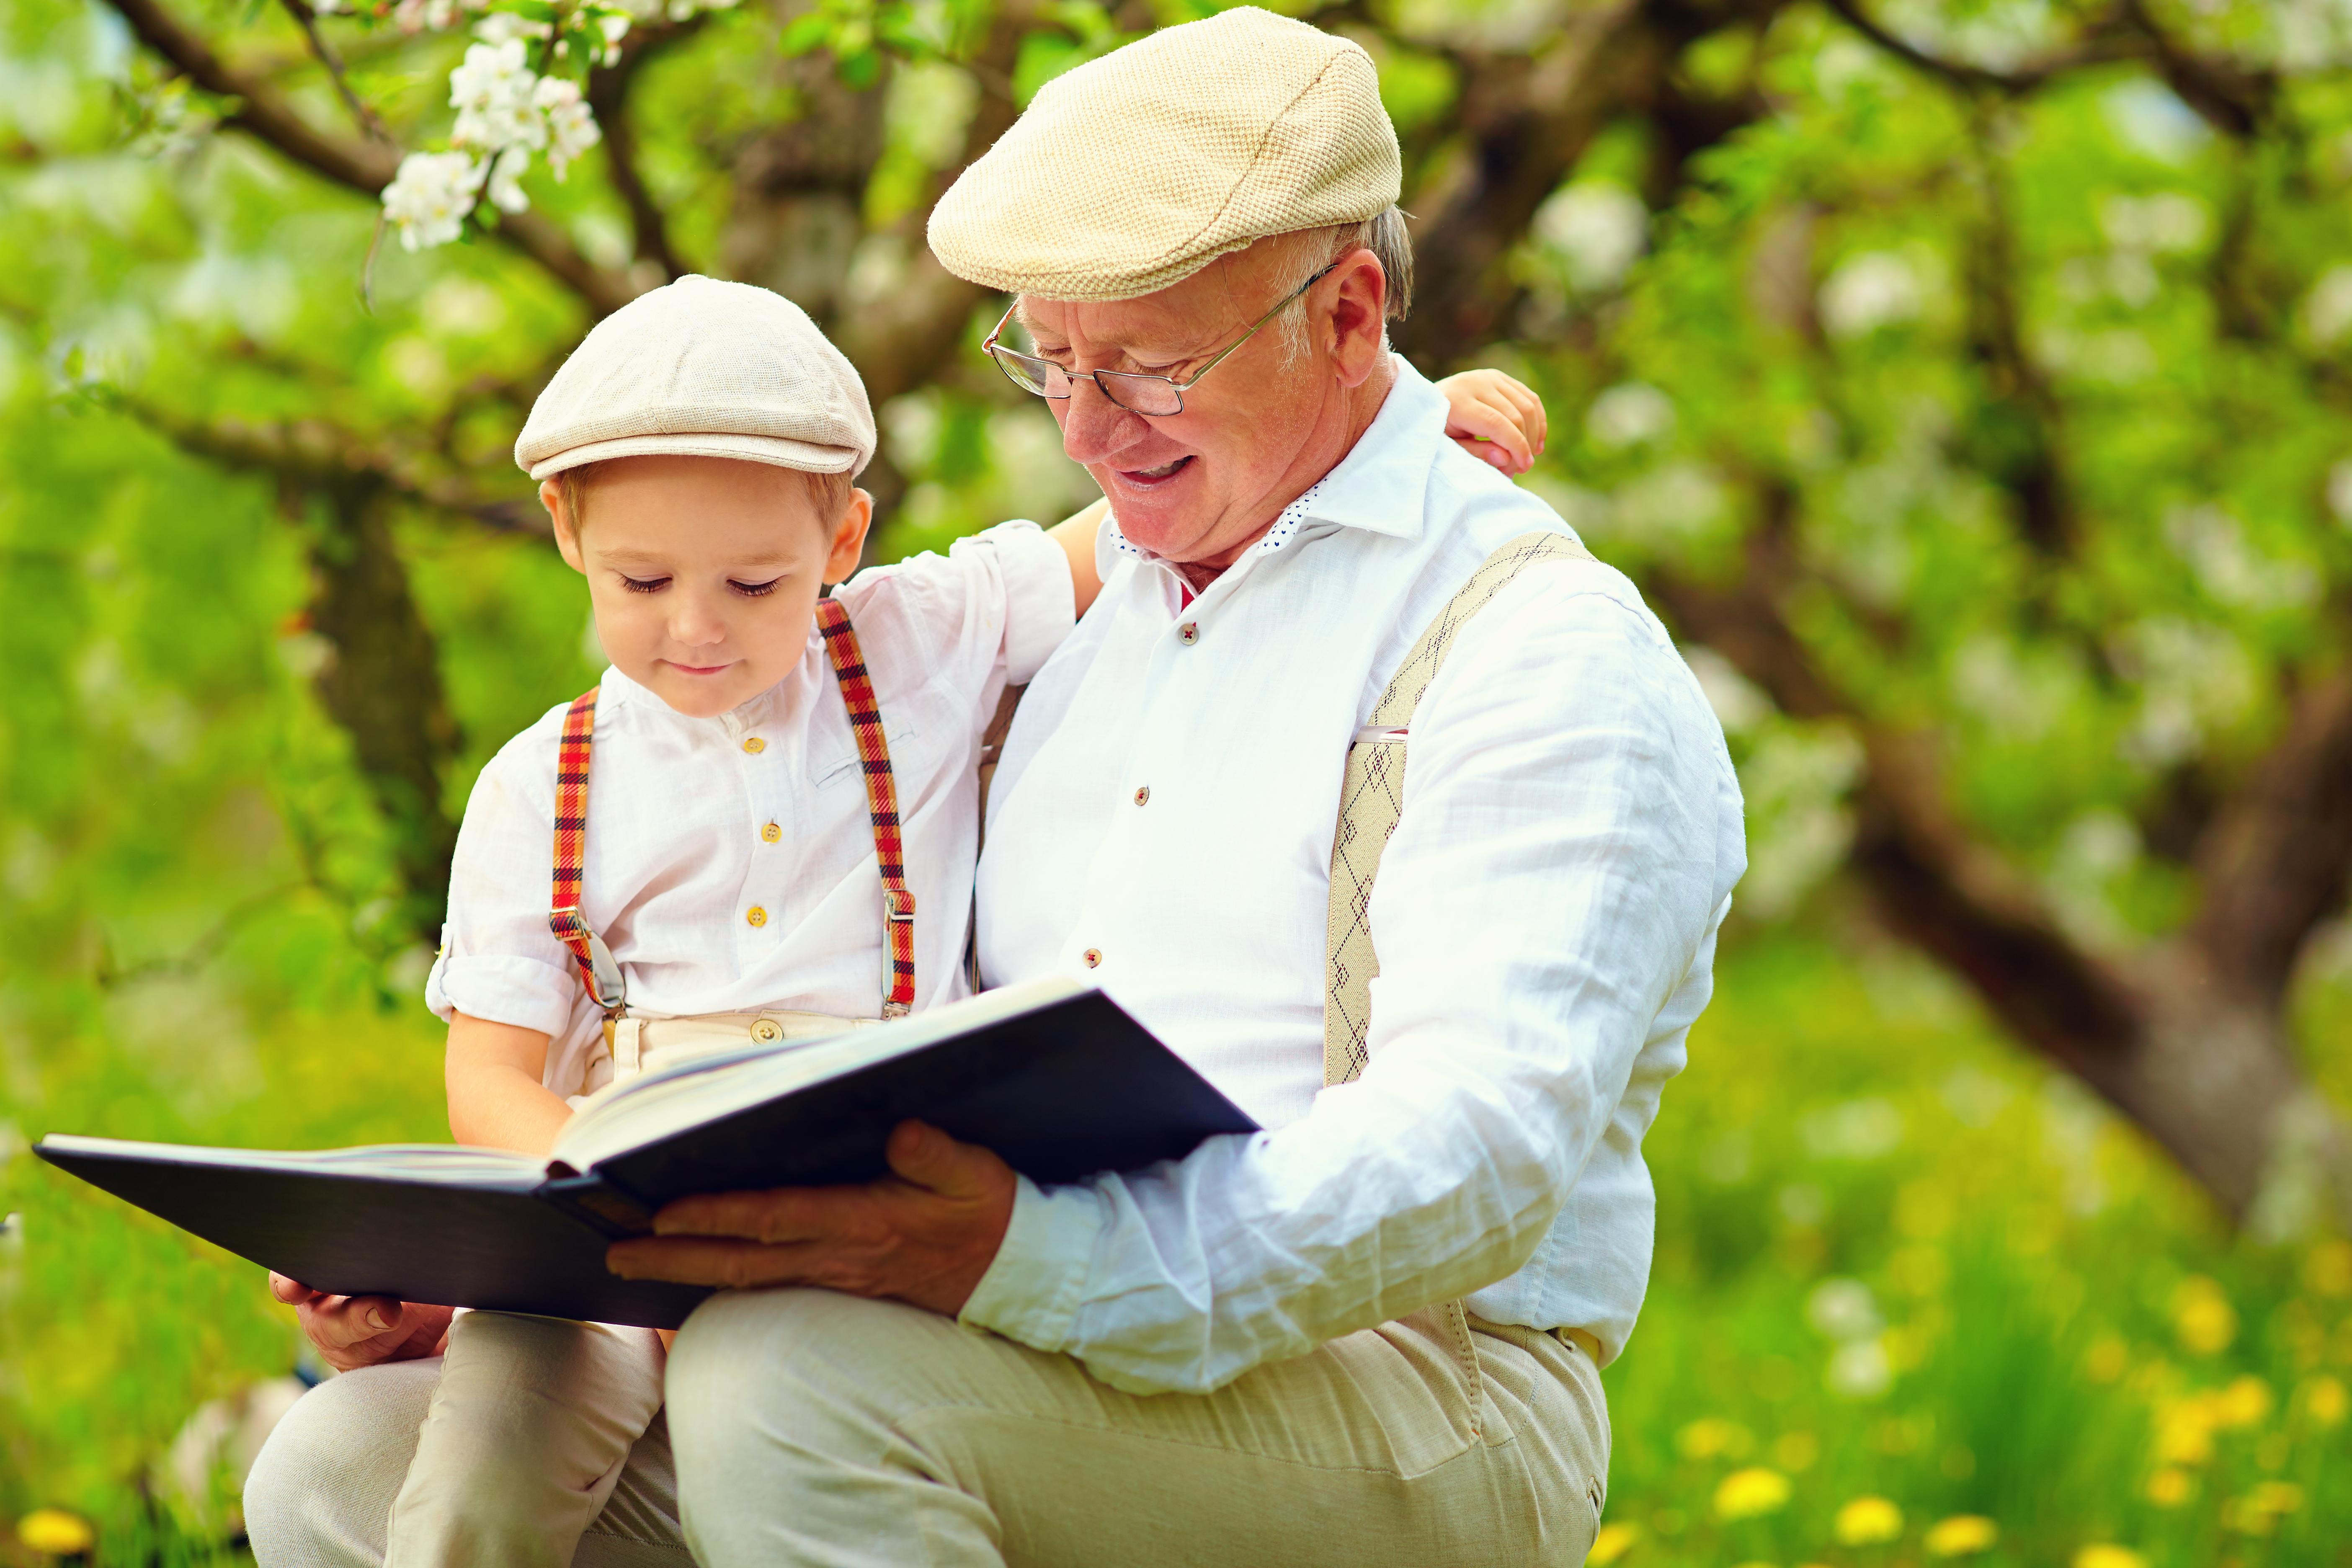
(1093, 426)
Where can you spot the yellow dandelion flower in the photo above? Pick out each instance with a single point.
(2202, 1318)
(2101, 1554)
(2184, 1431)
(2324, 1401)
(1709, 1437)
(1613, 1542)
(54, 1533)
(1960, 1535)
(1745, 1494)
(2243, 1403)
(1866, 1521)
(2169, 1488)
(2328, 1269)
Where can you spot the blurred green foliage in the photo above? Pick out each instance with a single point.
(1897, 1260)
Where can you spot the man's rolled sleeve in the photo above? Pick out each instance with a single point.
(1031, 1291)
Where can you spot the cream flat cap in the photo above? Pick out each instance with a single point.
(1135, 171)
(706, 369)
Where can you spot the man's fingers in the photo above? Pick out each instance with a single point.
(710, 1261)
(921, 1153)
(787, 1214)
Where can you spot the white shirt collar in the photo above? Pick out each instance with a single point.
(1377, 486)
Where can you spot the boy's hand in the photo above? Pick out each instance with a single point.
(353, 1331)
(1495, 418)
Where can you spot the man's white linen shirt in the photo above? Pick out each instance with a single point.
(1545, 917)
(677, 859)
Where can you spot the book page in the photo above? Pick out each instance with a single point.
(451, 1164)
(676, 1099)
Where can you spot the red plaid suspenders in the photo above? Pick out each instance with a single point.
(597, 970)
(881, 799)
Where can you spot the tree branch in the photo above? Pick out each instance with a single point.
(1528, 121)
(307, 19)
(2274, 860)
(608, 97)
(363, 166)
(1936, 885)
(2103, 46)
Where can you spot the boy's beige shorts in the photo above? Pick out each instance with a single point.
(816, 1428)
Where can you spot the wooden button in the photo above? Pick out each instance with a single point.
(756, 915)
(771, 833)
(1143, 796)
(753, 745)
(1188, 633)
(1094, 958)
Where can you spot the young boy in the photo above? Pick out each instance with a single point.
(760, 825)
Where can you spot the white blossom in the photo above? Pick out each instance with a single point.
(500, 27)
(1598, 228)
(2167, 222)
(2339, 492)
(1875, 290)
(429, 197)
(1628, 415)
(491, 93)
(2328, 308)
(506, 175)
(570, 124)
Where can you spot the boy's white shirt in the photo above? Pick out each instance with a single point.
(674, 857)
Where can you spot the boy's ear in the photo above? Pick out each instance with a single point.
(567, 527)
(849, 538)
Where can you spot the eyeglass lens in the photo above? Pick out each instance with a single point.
(1137, 394)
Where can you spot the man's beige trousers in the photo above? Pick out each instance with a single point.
(815, 1428)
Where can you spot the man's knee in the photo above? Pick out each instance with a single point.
(779, 1377)
(320, 1491)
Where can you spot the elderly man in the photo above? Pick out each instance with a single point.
(1350, 705)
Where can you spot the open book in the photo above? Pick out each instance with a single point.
(1049, 1074)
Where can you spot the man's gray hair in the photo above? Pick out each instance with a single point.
(1383, 234)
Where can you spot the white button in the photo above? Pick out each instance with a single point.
(1188, 633)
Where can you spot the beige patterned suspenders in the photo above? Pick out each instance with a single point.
(1374, 794)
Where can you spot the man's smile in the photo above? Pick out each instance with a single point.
(1148, 477)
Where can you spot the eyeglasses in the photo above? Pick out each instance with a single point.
(1156, 395)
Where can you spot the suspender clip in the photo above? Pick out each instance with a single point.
(897, 904)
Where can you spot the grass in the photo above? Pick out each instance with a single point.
(1897, 1261)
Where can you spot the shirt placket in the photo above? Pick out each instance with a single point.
(760, 765)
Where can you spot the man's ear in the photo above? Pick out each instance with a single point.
(849, 538)
(567, 527)
(1359, 316)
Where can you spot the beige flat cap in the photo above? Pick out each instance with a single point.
(705, 369)
(1135, 171)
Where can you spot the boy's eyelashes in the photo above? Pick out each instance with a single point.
(656, 584)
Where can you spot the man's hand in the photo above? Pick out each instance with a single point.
(925, 1234)
(352, 1332)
